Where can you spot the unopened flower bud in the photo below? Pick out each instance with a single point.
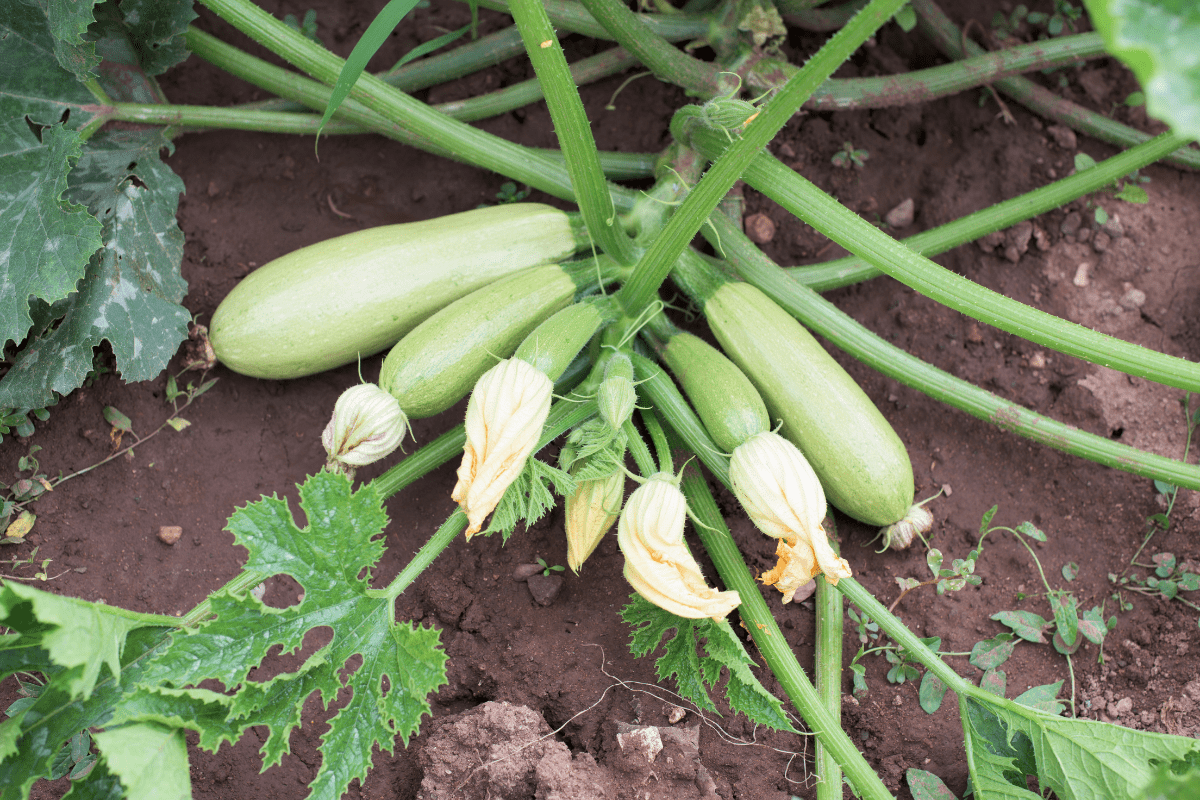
(658, 563)
(590, 511)
(505, 417)
(784, 499)
(616, 396)
(367, 425)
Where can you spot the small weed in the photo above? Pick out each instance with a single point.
(76, 759)
(510, 194)
(1063, 17)
(1169, 577)
(1127, 188)
(547, 569)
(307, 26)
(850, 156)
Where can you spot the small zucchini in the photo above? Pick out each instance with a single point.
(331, 302)
(860, 460)
(724, 398)
(439, 361)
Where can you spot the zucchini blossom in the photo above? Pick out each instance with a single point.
(367, 425)
(590, 511)
(658, 563)
(783, 497)
(505, 417)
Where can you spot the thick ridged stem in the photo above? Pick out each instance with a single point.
(808, 202)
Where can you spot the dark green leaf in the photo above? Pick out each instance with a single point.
(986, 521)
(932, 690)
(156, 29)
(1168, 588)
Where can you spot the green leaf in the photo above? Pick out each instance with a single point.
(986, 521)
(1026, 624)
(1178, 780)
(858, 673)
(1066, 616)
(995, 681)
(991, 653)
(68, 23)
(1092, 626)
(931, 693)
(132, 287)
(933, 558)
(1031, 530)
(331, 558)
(149, 759)
(692, 671)
(83, 637)
(528, 499)
(372, 39)
(1070, 570)
(1043, 698)
(100, 784)
(201, 710)
(1132, 193)
(114, 417)
(1157, 40)
(925, 785)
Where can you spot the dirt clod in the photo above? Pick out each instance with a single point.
(169, 534)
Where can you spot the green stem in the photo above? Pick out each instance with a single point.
(576, 18)
(572, 128)
(650, 272)
(455, 524)
(804, 199)
(757, 618)
(949, 40)
(826, 320)
(851, 269)
(637, 448)
(243, 581)
(661, 446)
(432, 130)
(923, 85)
(800, 14)
(829, 675)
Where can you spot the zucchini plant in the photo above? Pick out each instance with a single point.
(775, 419)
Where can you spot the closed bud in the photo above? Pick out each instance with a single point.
(505, 417)
(658, 563)
(784, 499)
(367, 424)
(616, 399)
(590, 511)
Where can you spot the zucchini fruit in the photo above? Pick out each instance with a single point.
(332, 302)
(860, 460)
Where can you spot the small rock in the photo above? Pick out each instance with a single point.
(643, 740)
(1100, 241)
(1037, 361)
(990, 242)
(1113, 227)
(1041, 238)
(902, 215)
(1016, 240)
(169, 534)
(1083, 234)
(1081, 278)
(1133, 299)
(1063, 136)
(784, 149)
(676, 714)
(544, 588)
(522, 572)
(1120, 708)
(974, 333)
(1071, 224)
(759, 227)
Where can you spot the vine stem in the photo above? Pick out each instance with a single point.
(828, 671)
(654, 266)
(808, 202)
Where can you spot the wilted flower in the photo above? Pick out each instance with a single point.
(505, 416)
(899, 535)
(658, 563)
(590, 511)
(367, 424)
(784, 498)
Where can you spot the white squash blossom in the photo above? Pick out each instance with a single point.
(367, 425)
(784, 499)
(505, 417)
(590, 511)
(658, 563)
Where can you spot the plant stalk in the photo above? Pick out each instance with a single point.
(829, 674)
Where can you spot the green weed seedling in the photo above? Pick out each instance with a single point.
(1168, 579)
(547, 568)
(306, 26)
(509, 193)
(850, 156)
(1063, 17)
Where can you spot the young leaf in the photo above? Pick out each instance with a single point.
(1132, 193)
(114, 417)
(1066, 617)
(934, 559)
(994, 681)
(680, 659)
(331, 559)
(1031, 530)
(986, 521)
(991, 653)
(1026, 624)
(528, 499)
(927, 786)
(1043, 698)
(858, 673)
(932, 690)
(1070, 570)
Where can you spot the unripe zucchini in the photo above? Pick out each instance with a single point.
(439, 361)
(331, 302)
(555, 343)
(860, 460)
(724, 398)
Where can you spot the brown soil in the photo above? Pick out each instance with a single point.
(566, 667)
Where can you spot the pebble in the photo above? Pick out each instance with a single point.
(169, 534)
(1101, 241)
(1083, 234)
(1070, 225)
(902, 215)
(1063, 136)
(759, 227)
(544, 588)
(1081, 278)
(1113, 227)
(522, 572)
(1133, 299)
